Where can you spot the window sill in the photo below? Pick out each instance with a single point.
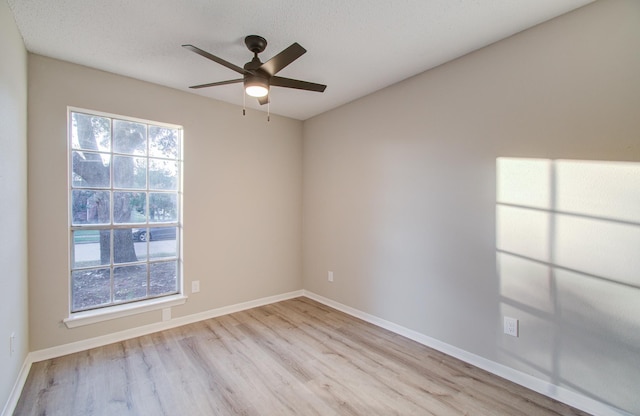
(113, 312)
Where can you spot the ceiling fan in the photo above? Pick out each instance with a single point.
(258, 77)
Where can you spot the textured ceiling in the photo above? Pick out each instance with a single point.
(354, 46)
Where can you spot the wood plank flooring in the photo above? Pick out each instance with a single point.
(296, 357)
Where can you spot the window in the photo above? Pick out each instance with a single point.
(125, 209)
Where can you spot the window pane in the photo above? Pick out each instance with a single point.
(90, 288)
(163, 278)
(163, 207)
(90, 207)
(129, 172)
(163, 142)
(163, 175)
(129, 137)
(163, 242)
(124, 173)
(91, 248)
(90, 170)
(90, 132)
(123, 248)
(129, 207)
(130, 282)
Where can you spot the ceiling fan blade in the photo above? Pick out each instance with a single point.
(263, 100)
(297, 84)
(284, 58)
(217, 60)
(215, 84)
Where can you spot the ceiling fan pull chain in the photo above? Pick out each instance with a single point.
(268, 111)
(244, 104)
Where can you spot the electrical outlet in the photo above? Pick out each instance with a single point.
(195, 286)
(166, 314)
(330, 276)
(511, 326)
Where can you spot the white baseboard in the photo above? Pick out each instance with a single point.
(17, 388)
(83, 345)
(559, 393)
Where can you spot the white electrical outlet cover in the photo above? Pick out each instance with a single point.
(166, 314)
(511, 326)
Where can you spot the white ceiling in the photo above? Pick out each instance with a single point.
(354, 46)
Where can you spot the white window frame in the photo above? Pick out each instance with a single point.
(124, 308)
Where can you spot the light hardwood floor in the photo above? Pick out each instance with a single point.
(296, 357)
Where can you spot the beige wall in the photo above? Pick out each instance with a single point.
(242, 195)
(405, 199)
(404, 202)
(13, 201)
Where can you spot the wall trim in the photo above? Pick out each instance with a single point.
(14, 396)
(558, 393)
(100, 341)
(120, 311)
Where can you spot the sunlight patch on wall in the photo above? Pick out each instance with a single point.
(523, 231)
(607, 190)
(524, 182)
(568, 259)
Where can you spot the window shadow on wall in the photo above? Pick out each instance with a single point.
(568, 258)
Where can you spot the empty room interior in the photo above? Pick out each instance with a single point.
(479, 213)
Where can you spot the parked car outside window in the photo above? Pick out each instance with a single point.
(152, 234)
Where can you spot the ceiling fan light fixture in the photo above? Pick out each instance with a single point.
(257, 76)
(256, 91)
(256, 86)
